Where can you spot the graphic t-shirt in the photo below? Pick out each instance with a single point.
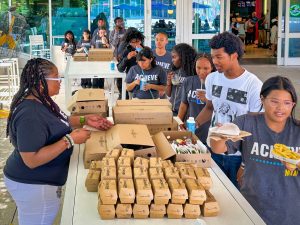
(97, 42)
(71, 48)
(164, 61)
(232, 97)
(155, 75)
(271, 189)
(84, 43)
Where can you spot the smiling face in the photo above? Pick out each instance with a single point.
(203, 68)
(53, 85)
(278, 106)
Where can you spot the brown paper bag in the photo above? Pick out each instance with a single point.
(123, 211)
(126, 191)
(179, 193)
(92, 180)
(156, 173)
(211, 206)
(196, 192)
(174, 211)
(203, 177)
(161, 191)
(106, 212)
(140, 211)
(144, 194)
(125, 173)
(191, 211)
(157, 211)
(107, 192)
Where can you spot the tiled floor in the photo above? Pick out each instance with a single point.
(7, 206)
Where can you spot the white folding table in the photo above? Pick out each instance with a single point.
(90, 69)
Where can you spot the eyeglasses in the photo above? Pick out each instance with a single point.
(276, 102)
(59, 79)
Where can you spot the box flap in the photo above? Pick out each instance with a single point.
(138, 109)
(144, 102)
(128, 134)
(163, 148)
(96, 143)
(88, 94)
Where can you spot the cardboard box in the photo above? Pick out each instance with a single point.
(96, 165)
(108, 162)
(114, 153)
(108, 173)
(165, 151)
(124, 173)
(178, 191)
(191, 211)
(140, 211)
(174, 211)
(88, 100)
(126, 152)
(144, 194)
(157, 211)
(92, 180)
(119, 136)
(196, 192)
(166, 164)
(187, 173)
(155, 162)
(144, 102)
(107, 192)
(203, 177)
(142, 115)
(123, 211)
(106, 212)
(79, 57)
(141, 162)
(156, 173)
(126, 190)
(140, 172)
(100, 54)
(156, 128)
(161, 191)
(171, 172)
(124, 162)
(211, 206)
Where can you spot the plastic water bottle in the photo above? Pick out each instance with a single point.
(112, 65)
(143, 82)
(191, 124)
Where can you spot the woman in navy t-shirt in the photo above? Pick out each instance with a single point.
(43, 143)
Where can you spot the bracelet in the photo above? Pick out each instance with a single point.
(66, 140)
(70, 139)
(82, 120)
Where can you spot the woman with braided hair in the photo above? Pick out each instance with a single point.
(183, 61)
(43, 143)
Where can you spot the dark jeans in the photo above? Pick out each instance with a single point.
(229, 165)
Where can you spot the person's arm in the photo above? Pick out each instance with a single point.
(218, 147)
(205, 114)
(169, 84)
(154, 87)
(92, 120)
(182, 111)
(131, 86)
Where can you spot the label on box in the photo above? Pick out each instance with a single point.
(124, 173)
(141, 162)
(108, 162)
(96, 165)
(155, 162)
(108, 173)
(171, 172)
(128, 153)
(114, 153)
(140, 172)
(156, 173)
(107, 192)
(124, 162)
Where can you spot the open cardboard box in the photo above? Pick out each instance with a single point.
(86, 101)
(142, 115)
(165, 151)
(100, 54)
(144, 102)
(79, 57)
(133, 136)
(155, 128)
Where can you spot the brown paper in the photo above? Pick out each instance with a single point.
(125, 173)
(191, 211)
(140, 211)
(166, 164)
(203, 177)
(96, 165)
(126, 191)
(126, 152)
(196, 192)
(157, 211)
(114, 153)
(106, 212)
(108, 162)
(92, 180)
(123, 211)
(140, 172)
(155, 162)
(107, 192)
(141, 162)
(218, 137)
(124, 162)
(171, 172)
(156, 173)
(211, 206)
(109, 173)
(161, 191)
(178, 191)
(174, 211)
(179, 165)
(187, 173)
(144, 194)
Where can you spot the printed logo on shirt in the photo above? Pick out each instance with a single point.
(216, 90)
(148, 77)
(163, 64)
(237, 96)
(192, 97)
(262, 154)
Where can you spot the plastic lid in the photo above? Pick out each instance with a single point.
(191, 118)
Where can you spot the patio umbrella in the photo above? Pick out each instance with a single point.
(160, 6)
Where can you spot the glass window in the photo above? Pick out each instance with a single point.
(295, 16)
(294, 47)
(206, 16)
(163, 20)
(31, 18)
(202, 45)
(68, 15)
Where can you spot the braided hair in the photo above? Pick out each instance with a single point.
(33, 82)
(187, 55)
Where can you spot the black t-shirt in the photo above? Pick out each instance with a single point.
(32, 127)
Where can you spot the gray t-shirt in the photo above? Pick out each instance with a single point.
(155, 75)
(269, 187)
(164, 61)
(97, 42)
(176, 91)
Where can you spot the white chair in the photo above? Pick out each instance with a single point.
(8, 81)
(37, 47)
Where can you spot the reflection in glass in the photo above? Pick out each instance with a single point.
(294, 47)
(206, 16)
(201, 45)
